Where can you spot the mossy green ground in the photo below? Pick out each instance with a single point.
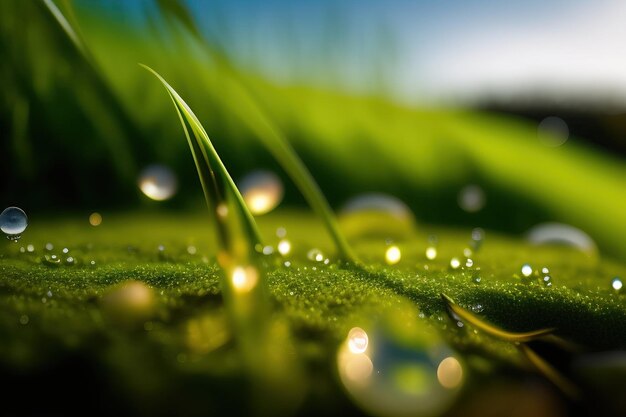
(180, 352)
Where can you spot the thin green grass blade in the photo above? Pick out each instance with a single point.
(210, 167)
(490, 329)
(242, 103)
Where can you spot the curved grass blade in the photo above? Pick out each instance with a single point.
(490, 328)
(216, 182)
(242, 103)
(547, 370)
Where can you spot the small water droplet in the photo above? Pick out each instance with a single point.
(469, 262)
(92, 263)
(315, 255)
(471, 198)
(24, 319)
(431, 253)
(527, 270)
(357, 340)
(281, 232)
(284, 247)
(477, 308)
(545, 270)
(393, 255)
(49, 246)
(95, 219)
(65, 250)
(192, 250)
(287, 264)
(13, 222)
(467, 252)
(158, 182)
(22, 249)
(262, 191)
(30, 248)
(616, 284)
(455, 263)
(476, 278)
(70, 261)
(51, 260)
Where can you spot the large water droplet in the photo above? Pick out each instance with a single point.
(376, 215)
(471, 198)
(553, 131)
(563, 234)
(158, 182)
(406, 369)
(262, 191)
(13, 222)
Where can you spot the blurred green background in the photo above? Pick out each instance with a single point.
(77, 126)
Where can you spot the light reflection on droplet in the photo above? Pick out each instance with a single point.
(192, 250)
(455, 263)
(469, 262)
(471, 198)
(13, 222)
(244, 279)
(158, 182)
(95, 219)
(431, 253)
(393, 255)
(617, 284)
(262, 191)
(30, 248)
(284, 247)
(315, 255)
(553, 131)
(527, 270)
(561, 234)
(450, 372)
(357, 340)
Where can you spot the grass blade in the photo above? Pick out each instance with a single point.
(490, 329)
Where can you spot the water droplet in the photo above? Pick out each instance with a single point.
(281, 232)
(287, 264)
(284, 247)
(450, 372)
(315, 255)
(158, 182)
(95, 219)
(467, 252)
(393, 255)
(476, 278)
(49, 246)
(268, 250)
(192, 250)
(244, 279)
(70, 260)
(431, 253)
(553, 131)
(455, 263)
(545, 270)
(561, 234)
(376, 215)
(547, 280)
(469, 262)
(30, 248)
(527, 270)
(471, 198)
(51, 260)
(477, 308)
(92, 263)
(13, 222)
(357, 340)
(65, 250)
(616, 283)
(262, 191)
(22, 249)
(24, 319)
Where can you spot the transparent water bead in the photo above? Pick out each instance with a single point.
(262, 191)
(158, 182)
(376, 215)
(13, 222)
(561, 234)
(526, 270)
(471, 198)
(357, 340)
(407, 369)
(617, 284)
(553, 131)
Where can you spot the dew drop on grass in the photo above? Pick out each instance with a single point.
(357, 340)
(262, 191)
(13, 222)
(158, 182)
(561, 234)
(527, 270)
(455, 263)
(51, 260)
(284, 247)
(268, 250)
(431, 253)
(30, 248)
(393, 255)
(70, 261)
(469, 262)
(49, 246)
(315, 255)
(616, 284)
(376, 215)
(471, 198)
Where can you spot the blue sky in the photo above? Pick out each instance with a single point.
(437, 50)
